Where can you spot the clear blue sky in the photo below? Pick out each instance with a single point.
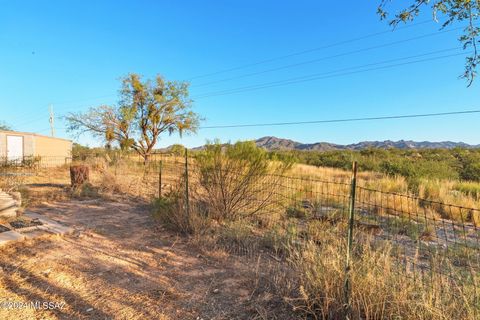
(72, 53)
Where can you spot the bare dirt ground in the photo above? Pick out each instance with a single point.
(120, 264)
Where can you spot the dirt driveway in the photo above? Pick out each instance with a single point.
(121, 265)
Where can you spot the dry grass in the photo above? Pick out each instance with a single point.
(303, 257)
(309, 275)
(457, 198)
(129, 176)
(381, 287)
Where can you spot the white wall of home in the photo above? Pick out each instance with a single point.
(3, 145)
(28, 143)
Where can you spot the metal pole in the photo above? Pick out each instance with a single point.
(160, 179)
(351, 216)
(187, 198)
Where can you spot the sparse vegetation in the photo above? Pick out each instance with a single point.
(291, 220)
(413, 165)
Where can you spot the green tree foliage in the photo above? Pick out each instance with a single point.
(454, 11)
(146, 109)
(80, 152)
(177, 150)
(468, 164)
(4, 126)
(463, 164)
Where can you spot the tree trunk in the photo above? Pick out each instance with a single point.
(79, 175)
(146, 157)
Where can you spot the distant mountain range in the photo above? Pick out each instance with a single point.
(274, 143)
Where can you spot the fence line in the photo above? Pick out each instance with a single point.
(423, 242)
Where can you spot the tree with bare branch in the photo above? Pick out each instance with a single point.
(145, 110)
(453, 11)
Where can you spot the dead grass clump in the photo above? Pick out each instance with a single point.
(85, 191)
(97, 163)
(110, 183)
(11, 181)
(35, 195)
(382, 287)
(174, 213)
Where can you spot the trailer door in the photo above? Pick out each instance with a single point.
(15, 148)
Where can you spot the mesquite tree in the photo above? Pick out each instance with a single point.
(145, 110)
(5, 127)
(453, 11)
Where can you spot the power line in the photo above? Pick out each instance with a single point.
(325, 75)
(335, 44)
(328, 57)
(424, 115)
(290, 55)
(376, 118)
(303, 52)
(319, 76)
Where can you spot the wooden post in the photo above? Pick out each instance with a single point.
(351, 220)
(160, 179)
(187, 198)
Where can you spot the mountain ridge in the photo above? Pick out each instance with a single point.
(273, 143)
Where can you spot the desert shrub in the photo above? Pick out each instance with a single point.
(171, 210)
(10, 181)
(97, 163)
(177, 150)
(236, 180)
(411, 164)
(109, 182)
(31, 162)
(85, 191)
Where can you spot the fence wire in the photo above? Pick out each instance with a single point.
(427, 239)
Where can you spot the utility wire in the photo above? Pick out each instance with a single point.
(324, 75)
(287, 56)
(328, 57)
(319, 76)
(376, 118)
(336, 44)
(303, 52)
(424, 115)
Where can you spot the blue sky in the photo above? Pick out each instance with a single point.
(72, 53)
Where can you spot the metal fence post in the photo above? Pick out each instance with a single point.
(351, 216)
(187, 198)
(160, 179)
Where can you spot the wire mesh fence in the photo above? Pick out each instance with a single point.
(433, 244)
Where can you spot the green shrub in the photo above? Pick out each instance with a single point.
(236, 180)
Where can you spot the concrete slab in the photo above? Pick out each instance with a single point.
(5, 204)
(49, 227)
(49, 224)
(10, 236)
(8, 213)
(60, 230)
(35, 233)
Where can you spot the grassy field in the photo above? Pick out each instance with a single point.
(411, 257)
(449, 192)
